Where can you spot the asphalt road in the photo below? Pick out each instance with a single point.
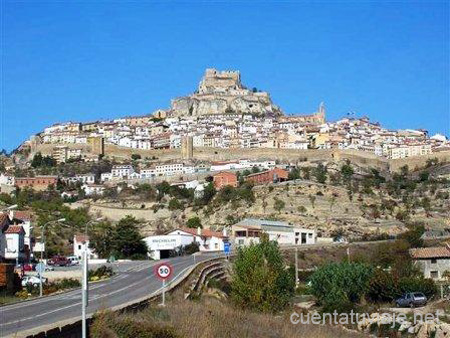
(133, 281)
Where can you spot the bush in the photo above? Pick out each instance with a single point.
(100, 273)
(194, 222)
(338, 286)
(191, 248)
(260, 280)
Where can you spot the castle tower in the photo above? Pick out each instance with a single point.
(321, 112)
(187, 147)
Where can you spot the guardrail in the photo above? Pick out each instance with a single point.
(212, 270)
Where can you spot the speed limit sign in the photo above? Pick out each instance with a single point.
(163, 271)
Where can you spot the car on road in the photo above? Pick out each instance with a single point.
(73, 260)
(33, 280)
(29, 267)
(411, 299)
(58, 261)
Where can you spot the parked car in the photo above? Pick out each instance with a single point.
(412, 299)
(58, 261)
(33, 280)
(73, 260)
(29, 267)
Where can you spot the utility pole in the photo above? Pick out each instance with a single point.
(84, 294)
(42, 261)
(296, 266)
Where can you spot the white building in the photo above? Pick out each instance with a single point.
(15, 243)
(93, 189)
(81, 243)
(249, 231)
(161, 246)
(122, 171)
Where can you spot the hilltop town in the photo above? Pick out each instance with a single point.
(223, 114)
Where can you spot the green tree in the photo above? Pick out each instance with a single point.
(294, 174)
(175, 204)
(339, 286)
(194, 222)
(347, 172)
(101, 238)
(320, 173)
(260, 281)
(37, 160)
(135, 157)
(278, 204)
(306, 173)
(127, 241)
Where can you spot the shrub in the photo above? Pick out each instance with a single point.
(100, 273)
(338, 286)
(260, 280)
(194, 222)
(191, 248)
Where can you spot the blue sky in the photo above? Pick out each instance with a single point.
(100, 60)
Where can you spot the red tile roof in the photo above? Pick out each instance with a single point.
(14, 229)
(81, 238)
(433, 252)
(23, 215)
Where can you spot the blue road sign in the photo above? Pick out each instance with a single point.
(40, 268)
(226, 247)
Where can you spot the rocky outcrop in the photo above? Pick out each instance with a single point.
(222, 93)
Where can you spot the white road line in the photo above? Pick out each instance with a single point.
(100, 296)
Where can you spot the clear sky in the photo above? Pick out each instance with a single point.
(101, 60)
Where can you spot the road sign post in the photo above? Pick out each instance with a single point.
(84, 294)
(226, 248)
(40, 268)
(163, 271)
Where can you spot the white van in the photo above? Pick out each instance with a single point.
(73, 260)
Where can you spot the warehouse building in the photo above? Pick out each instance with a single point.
(249, 231)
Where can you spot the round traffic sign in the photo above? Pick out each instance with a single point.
(40, 268)
(163, 270)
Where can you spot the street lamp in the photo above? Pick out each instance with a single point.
(42, 249)
(11, 207)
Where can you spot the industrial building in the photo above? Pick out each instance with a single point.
(249, 231)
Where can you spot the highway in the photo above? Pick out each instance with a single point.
(132, 282)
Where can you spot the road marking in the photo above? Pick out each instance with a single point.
(150, 276)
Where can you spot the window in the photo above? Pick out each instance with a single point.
(434, 274)
(79, 246)
(433, 261)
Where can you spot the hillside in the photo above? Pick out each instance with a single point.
(366, 205)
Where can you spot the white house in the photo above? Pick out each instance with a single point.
(93, 189)
(15, 243)
(81, 243)
(122, 171)
(161, 246)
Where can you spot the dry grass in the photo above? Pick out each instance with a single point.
(208, 318)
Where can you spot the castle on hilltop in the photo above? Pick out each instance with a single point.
(221, 92)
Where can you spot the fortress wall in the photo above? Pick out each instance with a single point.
(285, 155)
(418, 161)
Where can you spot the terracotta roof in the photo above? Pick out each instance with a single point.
(81, 238)
(433, 252)
(14, 229)
(23, 215)
(204, 232)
